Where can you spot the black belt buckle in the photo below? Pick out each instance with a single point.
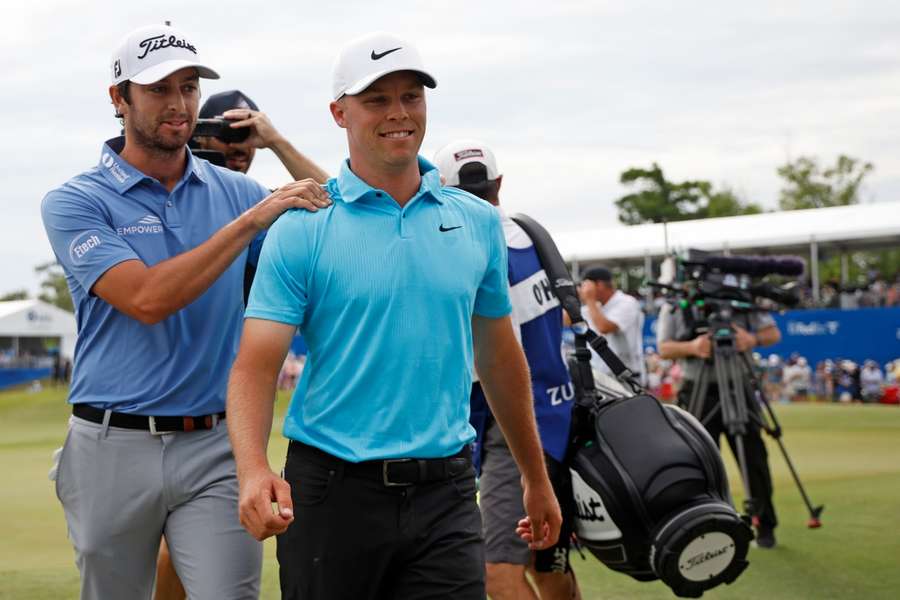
(384, 472)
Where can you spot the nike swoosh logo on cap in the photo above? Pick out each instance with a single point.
(442, 228)
(380, 55)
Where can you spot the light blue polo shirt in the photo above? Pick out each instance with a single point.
(113, 213)
(384, 298)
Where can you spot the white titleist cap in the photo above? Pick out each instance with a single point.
(151, 53)
(365, 59)
(455, 155)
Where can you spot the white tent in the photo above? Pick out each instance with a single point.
(841, 228)
(38, 319)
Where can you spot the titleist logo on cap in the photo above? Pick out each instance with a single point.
(158, 42)
(471, 153)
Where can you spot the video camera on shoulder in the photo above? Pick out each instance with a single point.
(221, 129)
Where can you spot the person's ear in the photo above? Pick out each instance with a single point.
(338, 113)
(118, 101)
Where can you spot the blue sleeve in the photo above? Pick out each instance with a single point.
(84, 241)
(256, 194)
(279, 291)
(492, 298)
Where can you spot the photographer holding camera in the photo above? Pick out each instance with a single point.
(675, 340)
(247, 130)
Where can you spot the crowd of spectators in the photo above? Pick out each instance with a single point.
(795, 380)
(877, 293)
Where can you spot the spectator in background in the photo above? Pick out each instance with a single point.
(236, 106)
(797, 379)
(617, 316)
(871, 382)
(824, 385)
(774, 378)
(843, 381)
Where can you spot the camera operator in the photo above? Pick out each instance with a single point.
(470, 165)
(751, 330)
(237, 107)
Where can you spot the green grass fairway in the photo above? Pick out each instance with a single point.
(848, 456)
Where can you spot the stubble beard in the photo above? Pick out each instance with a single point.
(154, 143)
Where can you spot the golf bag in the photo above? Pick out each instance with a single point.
(650, 488)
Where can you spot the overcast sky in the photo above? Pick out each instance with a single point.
(568, 94)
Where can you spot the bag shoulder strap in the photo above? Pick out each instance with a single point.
(564, 289)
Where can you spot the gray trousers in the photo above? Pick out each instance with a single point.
(121, 489)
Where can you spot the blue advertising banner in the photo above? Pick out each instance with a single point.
(819, 334)
(11, 377)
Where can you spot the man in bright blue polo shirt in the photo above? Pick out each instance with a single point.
(396, 289)
(154, 243)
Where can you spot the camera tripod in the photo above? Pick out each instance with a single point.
(742, 405)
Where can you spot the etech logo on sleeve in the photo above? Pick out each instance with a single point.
(83, 244)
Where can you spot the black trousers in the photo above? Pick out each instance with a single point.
(355, 538)
(755, 454)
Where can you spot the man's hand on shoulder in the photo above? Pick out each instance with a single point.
(258, 490)
(305, 194)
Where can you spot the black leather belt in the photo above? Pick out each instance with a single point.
(392, 472)
(155, 425)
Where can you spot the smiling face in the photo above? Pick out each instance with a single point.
(161, 116)
(385, 123)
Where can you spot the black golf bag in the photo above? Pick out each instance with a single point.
(650, 488)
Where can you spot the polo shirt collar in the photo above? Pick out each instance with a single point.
(352, 188)
(123, 176)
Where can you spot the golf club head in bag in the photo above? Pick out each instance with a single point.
(652, 498)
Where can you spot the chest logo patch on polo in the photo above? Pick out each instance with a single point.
(149, 224)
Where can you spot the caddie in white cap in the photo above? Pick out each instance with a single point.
(397, 289)
(513, 569)
(155, 243)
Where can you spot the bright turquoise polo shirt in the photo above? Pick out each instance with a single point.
(384, 297)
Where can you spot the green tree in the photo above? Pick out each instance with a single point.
(16, 295)
(725, 203)
(54, 288)
(658, 199)
(807, 185)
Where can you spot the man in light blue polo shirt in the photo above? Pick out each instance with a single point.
(396, 289)
(154, 243)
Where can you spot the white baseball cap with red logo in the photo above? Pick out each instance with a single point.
(455, 155)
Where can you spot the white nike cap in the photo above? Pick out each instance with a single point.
(455, 155)
(365, 59)
(151, 53)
